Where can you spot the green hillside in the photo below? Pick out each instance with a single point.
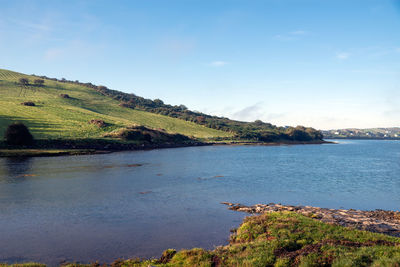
(55, 117)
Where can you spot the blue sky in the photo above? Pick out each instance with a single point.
(320, 63)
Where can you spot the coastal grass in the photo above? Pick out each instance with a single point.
(285, 239)
(291, 239)
(55, 117)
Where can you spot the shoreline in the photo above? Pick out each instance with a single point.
(54, 148)
(377, 221)
(288, 236)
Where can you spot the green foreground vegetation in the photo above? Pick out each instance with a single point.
(285, 239)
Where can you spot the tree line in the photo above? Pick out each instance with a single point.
(257, 130)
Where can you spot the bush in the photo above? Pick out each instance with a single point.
(18, 134)
(64, 96)
(98, 123)
(23, 81)
(38, 82)
(28, 103)
(141, 133)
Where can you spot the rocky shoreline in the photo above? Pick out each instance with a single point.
(47, 148)
(377, 221)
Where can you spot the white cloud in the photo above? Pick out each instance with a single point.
(74, 50)
(218, 63)
(249, 113)
(290, 35)
(298, 32)
(53, 53)
(342, 55)
(177, 46)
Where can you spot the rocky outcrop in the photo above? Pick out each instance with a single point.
(377, 221)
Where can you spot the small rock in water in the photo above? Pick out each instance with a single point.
(145, 192)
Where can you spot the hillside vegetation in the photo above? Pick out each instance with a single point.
(68, 110)
(63, 110)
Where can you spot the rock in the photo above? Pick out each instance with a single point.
(380, 221)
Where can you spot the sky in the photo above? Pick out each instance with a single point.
(320, 63)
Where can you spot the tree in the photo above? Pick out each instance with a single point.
(200, 119)
(158, 102)
(182, 107)
(38, 82)
(298, 134)
(24, 81)
(18, 134)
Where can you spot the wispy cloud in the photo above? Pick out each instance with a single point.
(53, 53)
(218, 63)
(342, 55)
(73, 50)
(293, 35)
(374, 52)
(176, 47)
(376, 72)
(249, 113)
(299, 32)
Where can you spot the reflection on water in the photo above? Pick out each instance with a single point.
(13, 169)
(104, 207)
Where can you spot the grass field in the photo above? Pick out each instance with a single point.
(54, 117)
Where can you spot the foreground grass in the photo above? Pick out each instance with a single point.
(54, 117)
(285, 239)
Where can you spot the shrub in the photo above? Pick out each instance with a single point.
(23, 81)
(18, 134)
(141, 133)
(98, 123)
(28, 103)
(125, 105)
(64, 96)
(38, 82)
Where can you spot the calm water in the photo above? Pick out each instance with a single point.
(101, 207)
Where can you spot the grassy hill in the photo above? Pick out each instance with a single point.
(55, 117)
